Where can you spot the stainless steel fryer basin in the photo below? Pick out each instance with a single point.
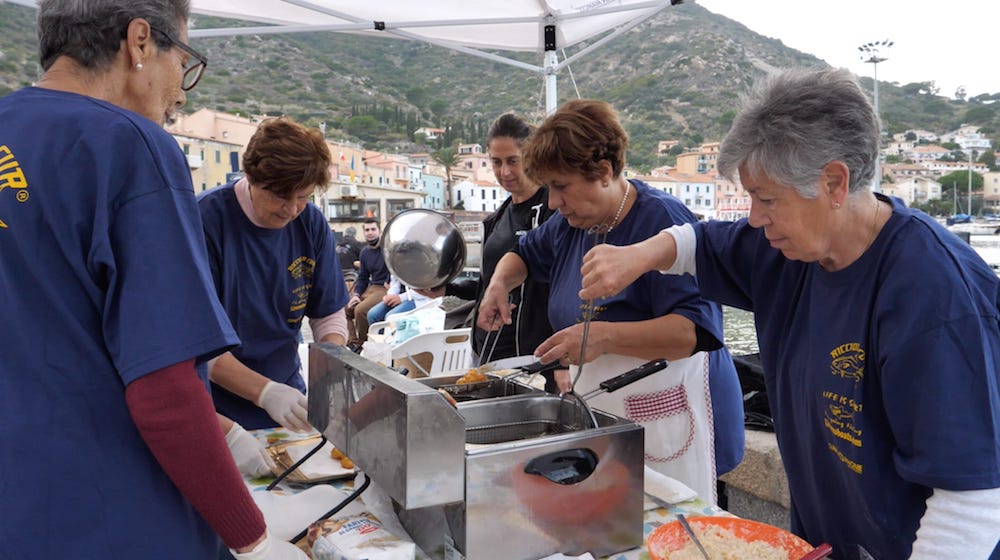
(494, 387)
(523, 417)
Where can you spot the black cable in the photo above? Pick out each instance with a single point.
(350, 498)
(298, 463)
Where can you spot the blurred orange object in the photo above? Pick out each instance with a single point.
(671, 536)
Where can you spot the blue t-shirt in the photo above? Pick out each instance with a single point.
(554, 253)
(268, 280)
(882, 377)
(105, 279)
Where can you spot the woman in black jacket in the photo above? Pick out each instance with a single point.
(525, 209)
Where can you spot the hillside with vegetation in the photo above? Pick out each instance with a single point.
(677, 76)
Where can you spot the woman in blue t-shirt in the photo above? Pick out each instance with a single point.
(579, 152)
(274, 262)
(112, 447)
(878, 329)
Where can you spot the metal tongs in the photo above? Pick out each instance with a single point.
(600, 233)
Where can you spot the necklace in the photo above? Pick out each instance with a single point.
(250, 193)
(618, 214)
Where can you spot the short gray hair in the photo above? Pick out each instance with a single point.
(90, 31)
(794, 123)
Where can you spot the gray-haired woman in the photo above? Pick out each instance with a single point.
(878, 328)
(109, 303)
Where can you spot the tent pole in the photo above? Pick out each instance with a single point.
(550, 65)
(551, 99)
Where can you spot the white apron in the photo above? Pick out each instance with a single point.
(674, 407)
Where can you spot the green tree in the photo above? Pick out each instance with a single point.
(365, 127)
(439, 107)
(447, 158)
(959, 181)
(989, 159)
(726, 119)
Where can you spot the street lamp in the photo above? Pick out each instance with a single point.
(874, 53)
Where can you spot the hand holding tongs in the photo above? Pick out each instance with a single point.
(600, 233)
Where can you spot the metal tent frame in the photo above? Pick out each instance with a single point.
(473, 27)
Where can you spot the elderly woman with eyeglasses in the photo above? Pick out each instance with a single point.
(878, 328)
(114, 449)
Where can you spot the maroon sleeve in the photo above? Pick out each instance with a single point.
(175, 417)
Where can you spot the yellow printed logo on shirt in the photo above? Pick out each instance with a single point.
(11, 176)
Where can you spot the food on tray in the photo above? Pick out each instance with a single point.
(722, 544)
(346, 463)
(336, 454)
(472, 376)
(321, 465)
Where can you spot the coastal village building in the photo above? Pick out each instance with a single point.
(920, 154)
(433, 188)
(477, 195)
(914, 190)
(732, 202)
(214, 143)
(939, 168)
(917, 135)
(968, 138)
(903, 171)
(430, 134)
(658, 182)
(212, 162)
(700, 161)
(663, 147)
(991, 192)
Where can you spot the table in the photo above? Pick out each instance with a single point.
(653, 517)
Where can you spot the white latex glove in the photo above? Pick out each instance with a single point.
(248, 452)
(286, 405)
(272, 549)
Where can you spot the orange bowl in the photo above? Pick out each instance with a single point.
(671, 536)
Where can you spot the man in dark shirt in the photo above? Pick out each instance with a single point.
(370, 286)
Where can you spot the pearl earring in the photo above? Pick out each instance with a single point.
(138, 66)
(836, 206)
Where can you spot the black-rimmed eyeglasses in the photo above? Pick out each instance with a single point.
(195, 65)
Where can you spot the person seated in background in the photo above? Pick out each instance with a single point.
(879, 329)
(369, 288)
(401, 298)
(113, 449)
(274, 262)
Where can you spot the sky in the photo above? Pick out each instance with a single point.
(949, 43)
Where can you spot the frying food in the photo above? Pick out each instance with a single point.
(472, 376)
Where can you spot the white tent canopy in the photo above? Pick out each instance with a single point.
(469, 26)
